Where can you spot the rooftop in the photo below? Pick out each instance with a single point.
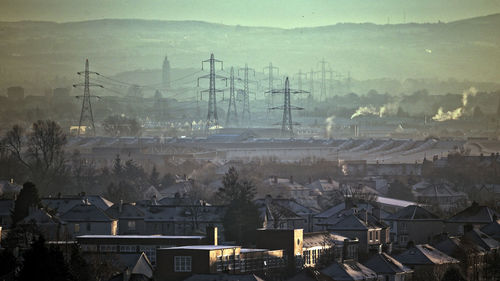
(424, 254)
(413, 212)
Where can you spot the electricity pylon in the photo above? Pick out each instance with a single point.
(245, 115)
(86, 115)
(287, 123)
(232, 115)
(323, 72)
(212, 119)
(271, 78)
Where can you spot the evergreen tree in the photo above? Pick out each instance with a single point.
(78, 266)
(28, 197)
(43, 264)
(242, 216)
(154, 178)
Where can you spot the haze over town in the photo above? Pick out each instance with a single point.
(249, 140)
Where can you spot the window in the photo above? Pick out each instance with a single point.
(131, 225)
(182, 263)
(376, 235)
(128, 248)
(77, 228)
(89, 248)
(370, 233)
(107, 248)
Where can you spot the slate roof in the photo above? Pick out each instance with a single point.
(482, 239)
(64, 204)
(315, 239)
(475, 214)
(453, 245)
(357, 222)
(182, 213)
(424, 254)
(7, 187)
(439, 190)
(85, 213)
(129, 211)
(40, 217)
(385, 264)
(492, 229)
(349, 270)
(413, 212)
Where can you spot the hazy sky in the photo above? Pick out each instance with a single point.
(278, 13)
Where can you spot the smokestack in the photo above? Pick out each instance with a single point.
(275, 179)
(310, 180)
(120, 206)
(291, 179)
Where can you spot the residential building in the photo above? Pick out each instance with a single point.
(284, 213)
(388, 268)
(62, 204)
(130, 218)
(441, 195)
(474, 215)
(371, 231)
(413, 224)
(492, 229)
(87, 219)
(427, 262)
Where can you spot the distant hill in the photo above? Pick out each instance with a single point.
(465, 49)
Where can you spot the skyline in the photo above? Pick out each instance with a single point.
(279, 13)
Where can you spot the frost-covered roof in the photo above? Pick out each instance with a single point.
(385, 264)
(475, 214)
(349, 270)
(413, 212)
(424, 254)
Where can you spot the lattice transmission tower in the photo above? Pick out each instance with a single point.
(270, 79)
(245, 115)
(287, 122)
(212, 121)
(86, 123)
(232, 114)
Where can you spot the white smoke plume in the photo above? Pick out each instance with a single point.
(389, 109)
(365, 110)
(330, 124)
(455, 114)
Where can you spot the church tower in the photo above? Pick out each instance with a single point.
(166, 74)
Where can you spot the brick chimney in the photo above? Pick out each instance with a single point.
(212, 235)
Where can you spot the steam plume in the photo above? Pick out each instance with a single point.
(329, 126)
(455, 114)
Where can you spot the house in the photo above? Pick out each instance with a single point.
(87, 219)
(9, 189)
(136, 244)
(473, 250)
(130, 218)
(370, 230)
(181, 220)
(427, 262)
(284, 213)
(335, 213)
(62, 204)
(135, 267)
(441, 195)
(475, 215)
(492, 229)
(178, 263)
(52, 228)
(413, 224)
(348, 270)
(388, 268)
(325, 247)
